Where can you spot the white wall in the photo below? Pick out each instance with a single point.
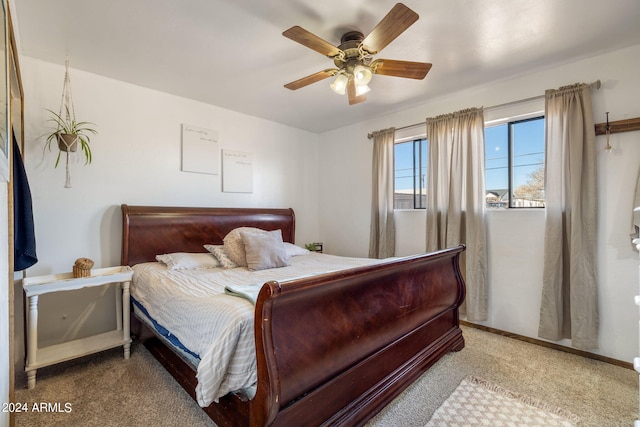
(515, 236)
(137, 157)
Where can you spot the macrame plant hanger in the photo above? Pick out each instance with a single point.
(67, 108)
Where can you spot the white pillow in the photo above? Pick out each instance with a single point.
(294, 250)
(234, 247)
(220, 254)
(188, 261)
(264, 250)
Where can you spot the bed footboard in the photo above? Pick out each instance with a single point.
(335, 349)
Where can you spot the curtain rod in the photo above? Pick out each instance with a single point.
(593, 86)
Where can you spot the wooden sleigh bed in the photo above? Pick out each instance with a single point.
(332, 349)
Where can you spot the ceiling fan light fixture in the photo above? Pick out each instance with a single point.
(339, 85)
(361, 89)
(353, 58)
(362, 75)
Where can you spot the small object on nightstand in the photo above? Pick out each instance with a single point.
(314, 247)
(82, 267)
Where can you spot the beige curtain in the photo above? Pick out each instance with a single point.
(382, 235)
(456, 199)
(569, 307)
(635, 216)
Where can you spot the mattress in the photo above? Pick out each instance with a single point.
(216, 328)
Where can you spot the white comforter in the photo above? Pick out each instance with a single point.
(218, 327)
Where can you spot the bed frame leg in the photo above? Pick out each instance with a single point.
(459, 344)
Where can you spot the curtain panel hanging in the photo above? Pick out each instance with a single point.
(569, 305)
(382, 238)
(456, 199)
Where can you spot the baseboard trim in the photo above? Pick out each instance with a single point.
(548, 344)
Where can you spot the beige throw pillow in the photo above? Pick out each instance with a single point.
(264, 250)
(234, 247)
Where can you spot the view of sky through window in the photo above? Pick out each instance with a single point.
(528, 153)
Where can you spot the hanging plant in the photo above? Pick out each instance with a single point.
(68, 133)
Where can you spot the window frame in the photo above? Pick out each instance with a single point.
(510, 122)
(416, 140)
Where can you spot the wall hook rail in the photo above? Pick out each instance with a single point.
(618, 126)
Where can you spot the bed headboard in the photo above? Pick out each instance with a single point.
(148, 231)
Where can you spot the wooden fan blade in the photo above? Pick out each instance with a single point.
(315, 77)
(310, 40)
(395, 23)
(390, 67)
(351, 91)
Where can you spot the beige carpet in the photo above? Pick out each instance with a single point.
(601, 394)
(476, 402)
(106, 390)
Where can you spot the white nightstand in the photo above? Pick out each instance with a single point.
(36, 286)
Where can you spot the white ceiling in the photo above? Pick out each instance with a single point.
(231, 53)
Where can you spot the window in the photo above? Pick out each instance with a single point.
(410, 174)
(514, 164)
(514, 167)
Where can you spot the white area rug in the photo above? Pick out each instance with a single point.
(476, 402)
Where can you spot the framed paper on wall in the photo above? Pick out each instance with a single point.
(200, 152)
(237, 171)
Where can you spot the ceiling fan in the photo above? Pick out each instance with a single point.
(354, 56)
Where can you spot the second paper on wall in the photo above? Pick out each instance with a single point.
(237, 171)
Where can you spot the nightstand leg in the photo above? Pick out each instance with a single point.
(31, 378)
(118, 291)
(126, 319)
(32, 340)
